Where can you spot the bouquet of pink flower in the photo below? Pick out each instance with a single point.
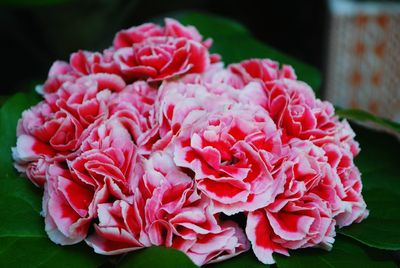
(154, 142)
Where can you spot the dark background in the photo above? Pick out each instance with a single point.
(35, 33)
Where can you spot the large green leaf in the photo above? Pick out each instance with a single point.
(364, 116)
(378, 163)
(23, 242)
(247, 259)
(235, 43)
(156, 257)
(345, 254)
(35, 252)
(168, 257)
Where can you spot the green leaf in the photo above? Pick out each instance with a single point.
(41, 252)
(23, 242)
(378, 163)
(381, 228)
(364, 116)
(156, 257)
(246, 259)
(345, 253)
(234, 43)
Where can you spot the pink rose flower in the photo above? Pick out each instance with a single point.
(138, 34)
(179, 104)
(215, 247)
(35, 170)
(231, 154)
(264, 70)
(133, 107)
(157, 53)
(300, 223)
(167, 211)
(159, 58)
(106, 169)
(175, 208)
(353, 207)
(294, 108)
(121, 228)
(44, 132)
(55, 128)
(59, 73)
(85, 62)
(175, 105)
(315, 198)
(67, 206)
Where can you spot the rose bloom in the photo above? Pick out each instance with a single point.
(167, 211)
(348, 189)
(106, 169)
(231, 153)
(133, 107)
(178, 104)
(86, 62)
(55, 127)
(159, 58)
(81, 63)
(300, 223)
(59, 73)
(263, 70)
(138, 34)
(157, 53)
(147, 51)
(313, 201)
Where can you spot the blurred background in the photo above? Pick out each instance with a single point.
(355, 44)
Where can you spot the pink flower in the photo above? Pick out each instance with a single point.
(86, 99)
(85, 62)
(45, 132)
(264, 70)
(175, 208)
(353, 207)
(215, 247)
(57, 126)
(35, 170)
(106, 169)
(166, 211)
(313, 201)
(133, 107)
(158, 58)
(231, 154)
(67, 206)
(300, 223)
(294, 108)
(179, 104)
(216, 75)
(121, 228)
(59, 73)
(137, 34)
(173, 28)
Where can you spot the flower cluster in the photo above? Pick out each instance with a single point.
(154, 142)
